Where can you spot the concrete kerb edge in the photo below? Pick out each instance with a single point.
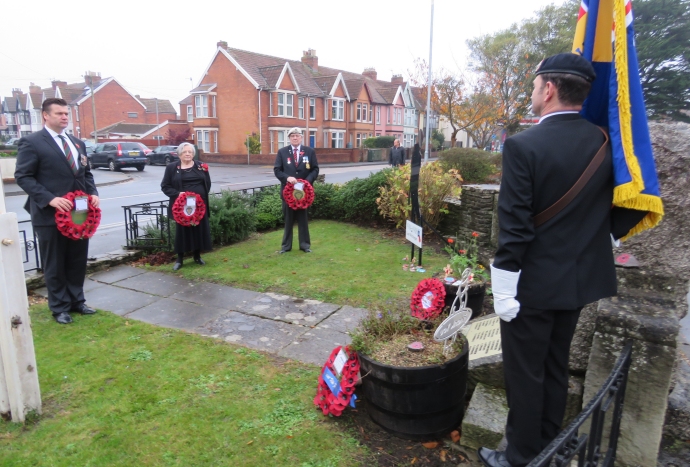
(21, 192)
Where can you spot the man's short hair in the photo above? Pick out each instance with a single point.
(45, 107)
(295, 131)
(572, 89)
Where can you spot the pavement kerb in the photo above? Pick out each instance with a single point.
(15, 190)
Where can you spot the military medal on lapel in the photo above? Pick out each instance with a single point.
(84, 160)
(289, 161)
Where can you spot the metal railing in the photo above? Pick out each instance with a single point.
(30, 256)
(147, 226)
(587, 447)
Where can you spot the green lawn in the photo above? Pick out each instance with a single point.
(349, 265)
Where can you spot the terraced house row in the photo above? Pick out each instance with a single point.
(243, 93)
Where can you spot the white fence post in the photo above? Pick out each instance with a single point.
(19, 389)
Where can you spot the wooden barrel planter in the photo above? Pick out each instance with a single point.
(475, 296)
(417, 403)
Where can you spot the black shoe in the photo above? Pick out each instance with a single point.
(199, 261)
(308, 250)
(177, 266)
(282, 251)
(63, 318)
(84, 309)
(492, 458)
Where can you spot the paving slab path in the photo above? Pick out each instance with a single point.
(303, 330)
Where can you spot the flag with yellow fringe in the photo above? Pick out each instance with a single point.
(604, 35)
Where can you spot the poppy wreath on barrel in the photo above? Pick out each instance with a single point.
(428, 299)
(67, 227)
(325, 400)
(178, 210)
(297, 199)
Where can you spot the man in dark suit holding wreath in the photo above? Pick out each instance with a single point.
(295, 162)
(50, 164)
(545, 271)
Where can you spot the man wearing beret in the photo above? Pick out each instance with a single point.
(295, 162)
(544, 273)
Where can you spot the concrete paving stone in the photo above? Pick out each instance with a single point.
(314, 346)
(43, 292)
(219, 296)
(117, 300)
(90, 285)
(116, 274)
(345, 319)
(176, 314)
(289, 309)
(252, 331)
(157, 283)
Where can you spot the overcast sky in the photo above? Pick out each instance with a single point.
(160, 49)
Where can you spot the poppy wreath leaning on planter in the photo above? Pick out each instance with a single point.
(178, 209)
(428, 299)
(67, 227)
(325, 400)
(304, 201)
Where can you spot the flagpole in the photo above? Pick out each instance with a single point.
(428, 92)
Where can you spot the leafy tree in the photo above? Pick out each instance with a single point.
(484, 126)
(662, 37)
(254, 144)
(177, 137)
(437, 139)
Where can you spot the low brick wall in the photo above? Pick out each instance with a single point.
(7, 166)
(324, 156)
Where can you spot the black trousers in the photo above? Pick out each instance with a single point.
(302, 225)
(64, 268)
(536, 349)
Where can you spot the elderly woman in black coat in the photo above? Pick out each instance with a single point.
(188, 175)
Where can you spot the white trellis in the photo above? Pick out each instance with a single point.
(458, 316)
(19, 389)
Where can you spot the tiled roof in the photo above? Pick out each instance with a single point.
(204, 88)
(127, 128)
(49, 93)
(164, 105)
(36, 99)
(187, 100)
(11, 104)
(271, 74)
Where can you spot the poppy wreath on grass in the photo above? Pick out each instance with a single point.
(178, 210)
(428, 299)
(302, 203)
(67, 227)
(334, 404)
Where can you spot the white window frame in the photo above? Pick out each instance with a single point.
(281, 104)
(213, 100)
(358, 141)
(300, 108)
(326, 112)
(338, 109)
(378, 114)
(289, 105)
(201, 105)
(337, 139)
(388, 115)
(132, 115)
(280, 136)
(312, 108)
(359, 112)
(371, 113)
(365, 111)
(190, 113)
(215, 141)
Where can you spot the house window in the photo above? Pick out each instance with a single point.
(203, 140)
(338, 109)
(213, 109)
(281, 104)
(312, 108)
(371, 113)
(337, 138)
(132, 114)
(359, 112)
(359, 140)
(378, 114)
(156, 137)
(281, 139)
(290, 98)
(201, 106)
(388, 115)
(215, 141)
(270, 105)
(325, 114)
(190, 113)
(300, 105)
(285, 104)
(325, 139)
(365, 110)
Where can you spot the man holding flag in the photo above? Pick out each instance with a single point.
(560, 181)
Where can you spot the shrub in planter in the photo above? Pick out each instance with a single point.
(231, 217)
(435, 185)
(474, 165)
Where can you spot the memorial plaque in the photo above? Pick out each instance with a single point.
(484, 338)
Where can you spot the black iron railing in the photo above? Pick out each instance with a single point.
(587, 447)
(30, 256)
(147, 226)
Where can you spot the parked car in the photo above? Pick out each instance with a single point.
(115, 156)
(163, 155)
(90, 146)
(12, 141)
(146, 149)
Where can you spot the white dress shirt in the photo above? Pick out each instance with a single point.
(58, 141)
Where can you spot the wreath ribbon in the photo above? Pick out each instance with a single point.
(325, 399)
(178, 209)
(67, 227)
(294, 203)
(428, 299)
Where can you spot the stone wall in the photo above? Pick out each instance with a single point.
(475, 211)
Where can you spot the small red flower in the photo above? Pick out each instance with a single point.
(203, 167)
(450, 240)
(475, 234)
(462, 252)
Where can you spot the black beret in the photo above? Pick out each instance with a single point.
(567, 63)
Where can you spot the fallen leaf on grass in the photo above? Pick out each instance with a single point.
(245, 266)
(455, 436)
(294, 272)
(126, 323)
(414, 459)
(430, 444)
(276, 389)
(443, 456)
(225, 260)
(250, 442)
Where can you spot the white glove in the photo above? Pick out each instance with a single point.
(504, 287)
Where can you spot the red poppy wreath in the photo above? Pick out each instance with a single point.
(297, 199)
(428, 299)
(66, 225)
(180, 210)
(325, 399)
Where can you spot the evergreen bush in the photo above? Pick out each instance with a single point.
(269, 209)
(474, 165)
(327, 202)
(231, 217)
(357, 197)
(379, 142)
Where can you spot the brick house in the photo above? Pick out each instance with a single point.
(243, 93)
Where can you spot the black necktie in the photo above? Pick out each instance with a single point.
(68, 154)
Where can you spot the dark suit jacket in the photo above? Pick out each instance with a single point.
(396, 156)
(172, 183)
(44, 173)
(284, 166)
(566, 262)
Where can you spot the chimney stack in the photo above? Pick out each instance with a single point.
(370, 73)
(56, 84)
(90, 76)
(222, 44)
(33, 88)
(397, 79)
(310, 59)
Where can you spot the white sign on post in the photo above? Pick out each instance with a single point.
(413, 233)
